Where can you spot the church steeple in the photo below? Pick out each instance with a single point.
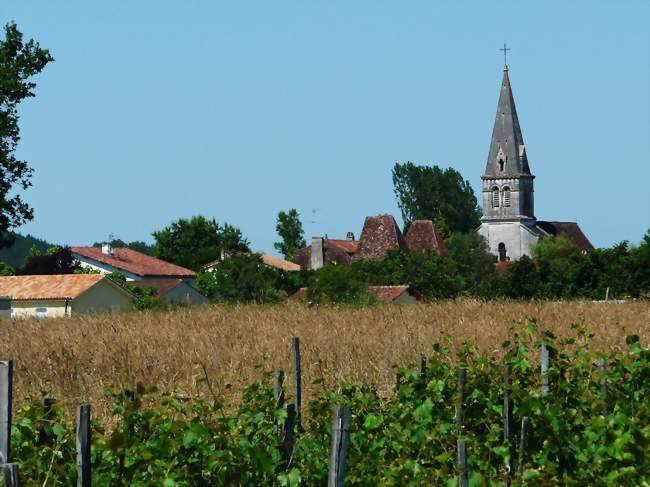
(507, 156)
(507, 181)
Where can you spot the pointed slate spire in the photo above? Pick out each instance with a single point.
(507, 156)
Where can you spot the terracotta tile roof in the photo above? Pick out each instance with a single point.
(162, 286)
(569, 229)
(422, 235)
(54, 287)
(386, 294)
(383, 294)
(379, 235)
(134, 262)
(502, 266)
(350, 246)
(273, 261)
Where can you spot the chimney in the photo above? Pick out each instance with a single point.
(317, 252)
(350, 236)
(107, 249)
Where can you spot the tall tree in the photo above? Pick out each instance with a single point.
(432, 193)
(19, 61)
(57, 260)
(195, 242)
(289, 228)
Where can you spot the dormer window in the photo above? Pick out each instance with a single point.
(495, 197)
(506, 196)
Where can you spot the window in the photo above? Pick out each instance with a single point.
(41, 312)
(502, 252)
(495, 197)
(501, 164)
(506, 196)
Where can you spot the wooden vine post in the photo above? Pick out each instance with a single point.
(544, 361)
(10, 475)
(462, 463)
(525, 421)
(83, 446)
(339, 447)
(297, 379)
(507, 423)
(6, 398)
(603, 384)
(462, 377)
(288, 435)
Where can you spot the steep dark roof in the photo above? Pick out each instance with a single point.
(422, 235)
(507, 141)
(379, 235)
(569, 229)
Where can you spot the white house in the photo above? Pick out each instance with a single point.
(135, 265)
(63, 295)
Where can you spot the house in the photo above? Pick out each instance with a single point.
(508, 223)
(63, 295)
(267, 259)
(384, 294)
(379, 236)
(173, 290)
(135, 265)
(326, 251)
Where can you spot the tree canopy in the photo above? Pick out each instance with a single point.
(194, 242)
(19, 62)
(289, 228)
(440, 195)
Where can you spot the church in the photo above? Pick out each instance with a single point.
(508, 223)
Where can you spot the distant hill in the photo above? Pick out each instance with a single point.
(15, 255)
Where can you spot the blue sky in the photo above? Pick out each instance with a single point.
(237, 110)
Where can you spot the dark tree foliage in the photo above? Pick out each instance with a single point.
(19, 61)
(20, 249)
(338, 284)
(197, 241)
(58, 260)
(474, 262)
(289, 228)
(432, 193)
(243, 278)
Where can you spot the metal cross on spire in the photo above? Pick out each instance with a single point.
(505, 50)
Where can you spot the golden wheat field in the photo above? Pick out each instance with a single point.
(76, 359)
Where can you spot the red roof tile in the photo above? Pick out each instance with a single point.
(273, 261)
(134, 262)
(350, 246)
(47, 287)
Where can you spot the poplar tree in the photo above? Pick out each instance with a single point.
(19, 62)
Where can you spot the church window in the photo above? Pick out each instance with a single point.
(506, 196)
(501, 164)
(495, 197)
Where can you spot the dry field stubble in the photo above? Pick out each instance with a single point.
(76, 359)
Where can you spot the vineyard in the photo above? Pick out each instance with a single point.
(544, 410)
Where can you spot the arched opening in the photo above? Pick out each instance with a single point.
(506, 196)
(495, 197)
(502, 252)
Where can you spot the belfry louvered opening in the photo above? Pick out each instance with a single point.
(495, 197)
(506, 196)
